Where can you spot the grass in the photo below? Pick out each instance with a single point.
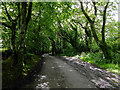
(98, 60)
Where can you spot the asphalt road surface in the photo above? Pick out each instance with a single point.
(56, 73)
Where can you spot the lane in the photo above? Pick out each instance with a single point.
(56, 73)
(75, 79)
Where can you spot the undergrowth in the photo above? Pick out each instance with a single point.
(99, 60)
(11, 73)
(69, 52)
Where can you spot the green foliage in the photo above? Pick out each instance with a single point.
(30, 62)
(97, 59)
(69, 52)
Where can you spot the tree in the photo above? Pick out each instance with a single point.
(102, 44)
(12, 26)
(23, 29)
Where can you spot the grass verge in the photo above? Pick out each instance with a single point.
(98, 60)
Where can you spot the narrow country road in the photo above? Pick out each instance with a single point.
(56, 73)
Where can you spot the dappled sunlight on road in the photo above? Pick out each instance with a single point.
(60, 66)
(101, 77)
(43, 77)
(67, 72)
(101, 83)
(43, 85)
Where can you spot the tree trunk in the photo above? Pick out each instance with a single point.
(53, 46)
(76, 34)
(106, 51)
(43, 48)
(64, 44)
(60, 45)
(13, 28)
(22, 37)
(102, 45)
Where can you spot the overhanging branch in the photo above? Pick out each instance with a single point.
(104, 21)
(9, 17)
(86, 15)
(5, 24)
(95, 8)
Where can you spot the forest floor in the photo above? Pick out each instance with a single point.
(63, 72)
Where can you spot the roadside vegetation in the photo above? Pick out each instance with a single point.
(97, 59)
(11, 77)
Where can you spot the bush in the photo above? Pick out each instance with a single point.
(116, 57)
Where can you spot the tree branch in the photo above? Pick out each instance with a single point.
(5, 24)
(79, 23)
(104, 21)
(75, 29)
(29, 12)
(64, 34)
(86, 15)
(63, 37)
(94, 3)
(9, 17)
(17, 18)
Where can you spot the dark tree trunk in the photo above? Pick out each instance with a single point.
(60, 45)
(64, 43)
(53, 46)
(76, 34)
(24, 20)
(23, 27)
(43, 48)
(22, 37)
(86, 39)
(13, 28)
(102, 45)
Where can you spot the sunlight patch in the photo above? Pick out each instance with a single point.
(52, 67)
(43, 77)
(43, 85)
(101, 83)
(70, 70)
(60, 66)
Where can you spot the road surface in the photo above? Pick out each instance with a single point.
(56, 73)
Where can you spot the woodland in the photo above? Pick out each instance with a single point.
(30, 29)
